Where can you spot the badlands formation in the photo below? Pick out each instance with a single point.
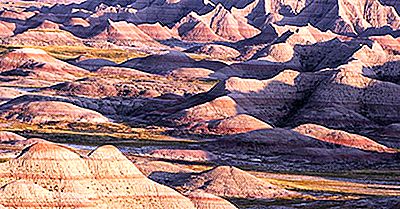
(200, 104)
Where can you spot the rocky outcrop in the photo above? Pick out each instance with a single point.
(224, 24)
(237, 124)
(215, 51)
(183, 155)
(6, 29)
(176, 10)
(191, 28)
(22, 193)
(347, 17)
(261, 12)
(48, 25)
(18, 15)
(150, 168)
(38, 65)
(387, 42)
(267, 100)
(282, 52)
(131, 189)
(218, 109)
(95, 87)
(342, 138)
(218, 24)
(350, 99)
(37, 112)
(76, 21)
(16, 142)
(342, 98)
(305, 35)
(193, 73)
(128, 83)
(159, 32)
(380, 60)
(298, 150)
(46, 34)
(232, 182)
(62, 178)
(126, 34)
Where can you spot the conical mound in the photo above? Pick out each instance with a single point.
(52, 166)
(124, 33)
(228, 181)
(122, 183)
(106, 178)
(107, 161)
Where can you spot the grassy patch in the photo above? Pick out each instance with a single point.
(132, 137)
(332, 186)
(93, 134)
(72, 52)
(370, 174)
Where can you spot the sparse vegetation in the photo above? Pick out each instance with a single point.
(343, 187)
(94, 134)
(73, 52)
